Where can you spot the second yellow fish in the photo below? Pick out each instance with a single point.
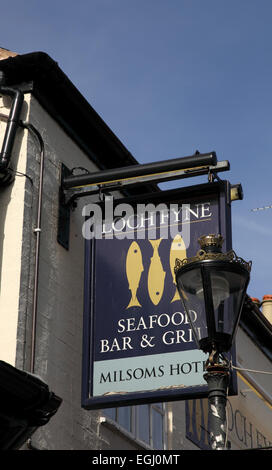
(156, 274)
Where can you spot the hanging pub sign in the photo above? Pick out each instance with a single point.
(138, 345)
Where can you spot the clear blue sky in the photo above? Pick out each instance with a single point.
(170, 77)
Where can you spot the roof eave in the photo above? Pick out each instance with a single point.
(64, 102)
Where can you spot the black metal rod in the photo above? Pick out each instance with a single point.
(12, 124)
(105, 176)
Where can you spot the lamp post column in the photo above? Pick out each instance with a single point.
(217, 377)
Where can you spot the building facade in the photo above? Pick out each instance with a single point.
(42, 282)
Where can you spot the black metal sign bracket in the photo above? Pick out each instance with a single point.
(86, 184)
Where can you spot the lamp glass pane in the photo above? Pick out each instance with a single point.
(191, 291)
(214, 316)
(227, 290)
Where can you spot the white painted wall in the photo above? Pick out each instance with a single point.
(60, 294)
(11, 234)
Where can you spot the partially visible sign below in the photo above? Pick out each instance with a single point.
(248, 421)
(138, 342)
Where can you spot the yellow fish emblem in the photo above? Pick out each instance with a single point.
(156, 274)
(134, 269)
(177, 250)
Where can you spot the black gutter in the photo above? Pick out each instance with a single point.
(11, 128)
(26, 403)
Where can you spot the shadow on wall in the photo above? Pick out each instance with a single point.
(7, 192)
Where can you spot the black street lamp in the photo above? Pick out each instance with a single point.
(213, 285)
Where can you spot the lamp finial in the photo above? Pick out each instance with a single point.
(211, 241)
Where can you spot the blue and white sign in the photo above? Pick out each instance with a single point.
(138, 342)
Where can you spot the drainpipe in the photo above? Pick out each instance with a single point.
(37, 231)
(12, 126)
